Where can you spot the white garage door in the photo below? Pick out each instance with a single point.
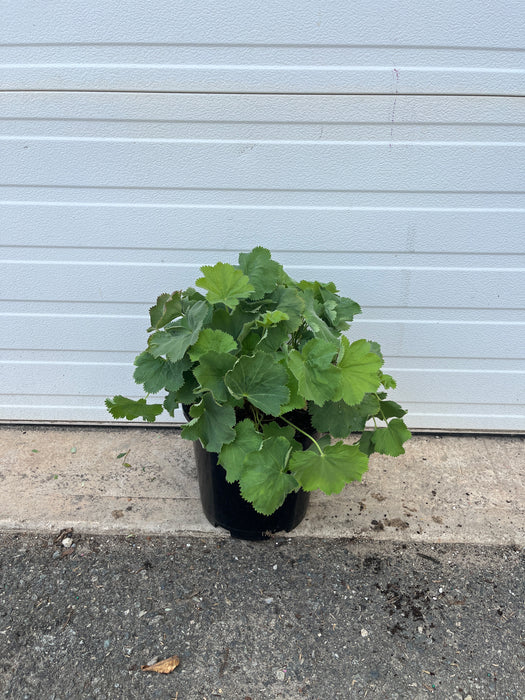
(139, 144)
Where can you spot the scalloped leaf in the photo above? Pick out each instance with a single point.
(266, 483)
(262, 271)
(211, 371)
(175, 340)
(389, 440)
(121, 407)
(317, 378)
(211, 424)
(225, 284)
(290, 301)
(212, 340)
(233, 455)
(339, 419)
(318, 325)
(261, 380)
(270, 318)
(359, 370)
(168, 307)
(338, 465)
(156, 373)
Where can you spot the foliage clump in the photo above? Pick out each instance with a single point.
(252, 356)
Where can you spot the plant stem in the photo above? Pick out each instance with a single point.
(304, 433)
(380, 411)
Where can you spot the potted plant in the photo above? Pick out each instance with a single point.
(267, 379)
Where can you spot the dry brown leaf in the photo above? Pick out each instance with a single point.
(165, 666)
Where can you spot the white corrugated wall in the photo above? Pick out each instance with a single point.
(381, 146)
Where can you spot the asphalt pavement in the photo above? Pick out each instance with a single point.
(288, 618)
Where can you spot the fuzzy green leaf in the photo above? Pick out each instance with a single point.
(296, 399)
(177, 338)
(388, 381)
(290, 301)
(273, 338)
(317, 377)
(269, 318)
(261, 380)
(359, 370)
(389, 440)
(225, 284)
(232, 322)
(156, 373)
(215, 340)
(338, 311)
(318, 325)
(338, 465)
(121, 407)
(211, 371)
(168, 307)
(390, 409)
(266, 483)
(187, 394)
(233, 455)
(273, 429)
(339, 419)
(262, 271)
(211, 424)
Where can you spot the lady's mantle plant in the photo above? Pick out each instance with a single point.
(248, 352)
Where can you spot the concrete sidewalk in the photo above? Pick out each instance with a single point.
(445, 489)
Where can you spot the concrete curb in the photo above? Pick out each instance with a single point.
(445, 489)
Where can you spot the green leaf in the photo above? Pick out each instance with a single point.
(273, 338)
(262, 271)
(215, 340)
(387, 381)
(365, 443)
(296, 399)
(155, 373)
(390, 409)
(376, 348)
(232, 322)
(266, 483)
(233, 455)
(338, 311)
(211, 424)
(175, 340)
(339, 419)
(225, 284)
(261, 380)
(318, 325)
(121, 407)
(269, 318)
(167, 308)
(318, 379)
(359, 370)
(211, 371)
(289, 301)
(338, 465)
(389, 440)
(273, 429)
(186, 394)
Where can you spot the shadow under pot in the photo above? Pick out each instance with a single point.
(224, 506)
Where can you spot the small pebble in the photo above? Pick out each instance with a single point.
(280, 675)
(67, 542)
(364, 633)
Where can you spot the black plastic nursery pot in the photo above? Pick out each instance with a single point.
(224, 506)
